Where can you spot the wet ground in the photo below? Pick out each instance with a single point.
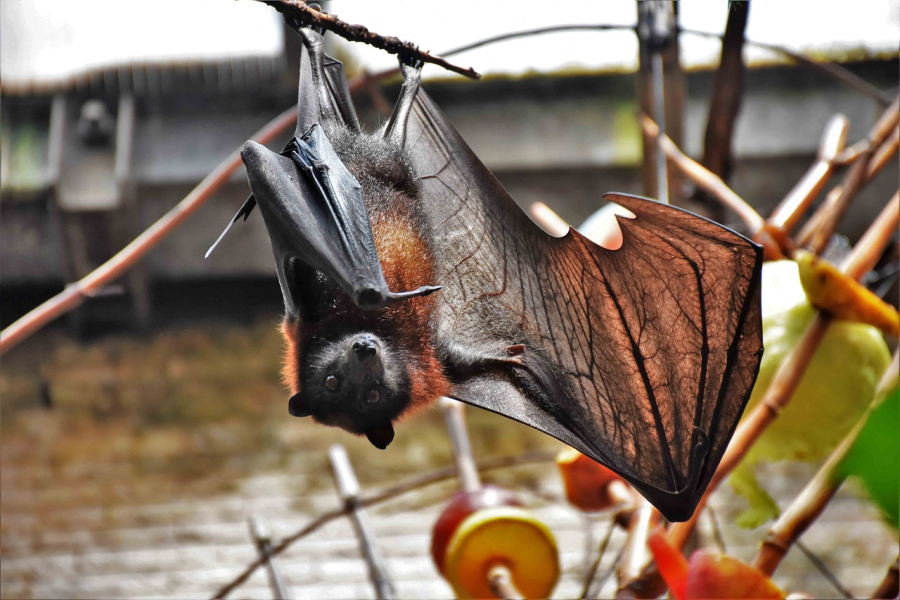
(129, 466)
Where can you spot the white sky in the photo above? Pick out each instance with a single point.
(46, 40)
(800, 25)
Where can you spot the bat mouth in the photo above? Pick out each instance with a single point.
(369, 299)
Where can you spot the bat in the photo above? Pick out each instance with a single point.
(642, 358)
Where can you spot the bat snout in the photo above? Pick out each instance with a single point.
(365, 347)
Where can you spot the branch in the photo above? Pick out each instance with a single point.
(798, 200)
(726, 94)
(76, 293)
(413, 483)
(710, 182)
(890, 584)
(299, 10)
(822, 225)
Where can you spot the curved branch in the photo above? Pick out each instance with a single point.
(76, 293)
(390, 493)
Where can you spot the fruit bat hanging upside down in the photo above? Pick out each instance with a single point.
(408, 273)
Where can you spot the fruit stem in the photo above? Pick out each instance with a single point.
(501, 583)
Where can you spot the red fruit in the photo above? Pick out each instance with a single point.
(709, 574)
(672, 564)
(714, 575)
(461, 506)
(589, 485)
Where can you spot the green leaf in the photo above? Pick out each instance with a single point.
(875, 457)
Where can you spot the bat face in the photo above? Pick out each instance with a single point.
(355, 381)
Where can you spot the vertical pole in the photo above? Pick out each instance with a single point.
(659, 115)
(259, 531)
(348, 487)
(659, 96)
(455, 416)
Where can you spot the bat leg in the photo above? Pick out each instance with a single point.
(395, 131)
(534, 372)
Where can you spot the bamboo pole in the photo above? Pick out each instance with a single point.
(797, 201)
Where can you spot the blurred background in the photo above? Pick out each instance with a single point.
(141, 430)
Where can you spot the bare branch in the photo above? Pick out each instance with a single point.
(822, 225)
(890, 585)
(299, 10)
(704, 178)
(413, 483)
(798, 200)
(76, 293)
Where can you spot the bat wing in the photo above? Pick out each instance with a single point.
(312, 205)
(643, 358)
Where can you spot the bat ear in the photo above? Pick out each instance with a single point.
(382, 435)
(297, 406)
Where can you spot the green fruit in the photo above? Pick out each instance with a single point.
(833, 394)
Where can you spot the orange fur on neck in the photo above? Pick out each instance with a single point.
(407, 265)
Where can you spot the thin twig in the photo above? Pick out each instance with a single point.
(827, 573)
(299, 10)
(704, 178)
(538, 31)
(604, 543)
(390, 493)
(716, 529)
(833, 70)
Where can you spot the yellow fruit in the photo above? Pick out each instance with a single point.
(833, 393)
(830, 290)
(506, 536)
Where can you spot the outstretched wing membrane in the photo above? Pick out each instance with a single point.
(649, 352)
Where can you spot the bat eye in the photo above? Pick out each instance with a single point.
(332, 383)
(372, 396)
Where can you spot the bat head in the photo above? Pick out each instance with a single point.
(355, 381)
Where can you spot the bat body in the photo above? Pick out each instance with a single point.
(642, 358)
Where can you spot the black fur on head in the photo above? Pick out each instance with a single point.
(353, 380)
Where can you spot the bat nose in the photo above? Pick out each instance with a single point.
(364, 347)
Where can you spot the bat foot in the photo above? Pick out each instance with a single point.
(425, 290)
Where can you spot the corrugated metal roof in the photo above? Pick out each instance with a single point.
(56, 44)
